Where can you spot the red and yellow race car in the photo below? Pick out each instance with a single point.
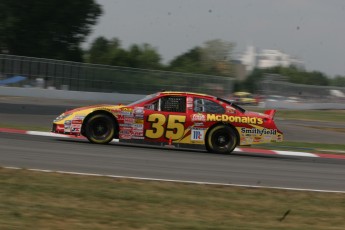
(178, 119)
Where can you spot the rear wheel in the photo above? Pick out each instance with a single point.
(100, 129)
(221, 139)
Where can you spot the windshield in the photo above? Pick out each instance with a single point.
(147, 98)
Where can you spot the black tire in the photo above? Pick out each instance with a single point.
(221, 139)
(100, 129)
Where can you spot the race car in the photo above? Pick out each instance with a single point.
(174, 119)
(244, 98)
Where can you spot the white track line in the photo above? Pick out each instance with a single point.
(176, 181)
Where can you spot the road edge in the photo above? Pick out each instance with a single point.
(238, 149)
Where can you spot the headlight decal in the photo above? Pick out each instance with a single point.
(61, 117)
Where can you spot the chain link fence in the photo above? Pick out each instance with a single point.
(57, 74)
(275, 86)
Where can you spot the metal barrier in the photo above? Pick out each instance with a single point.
(47, 73)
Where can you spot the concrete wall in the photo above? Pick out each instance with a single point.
(67, 95)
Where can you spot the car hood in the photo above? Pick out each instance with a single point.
(93, 107)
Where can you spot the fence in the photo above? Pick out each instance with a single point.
(76, 76)
(275, 85)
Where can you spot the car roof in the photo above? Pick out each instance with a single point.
(186, 94)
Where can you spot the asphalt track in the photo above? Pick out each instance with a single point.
(77, 155)
(58, 154)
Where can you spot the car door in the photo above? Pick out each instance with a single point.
(165, 119)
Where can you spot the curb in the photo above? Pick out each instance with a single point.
(239, 150)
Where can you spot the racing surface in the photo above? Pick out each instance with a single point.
(77, 155)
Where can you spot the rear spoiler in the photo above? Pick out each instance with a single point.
(271, 112)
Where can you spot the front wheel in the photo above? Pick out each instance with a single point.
(221, 139)
(100, 129)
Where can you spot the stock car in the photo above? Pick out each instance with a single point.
(175, 119)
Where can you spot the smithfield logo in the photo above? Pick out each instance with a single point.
(259, 131)
(236, 119)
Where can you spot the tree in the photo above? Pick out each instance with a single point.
(110, 52)
(213, 58)
(107, 52)
(189, 62)
(338, 81)
(143, 56)
(46, 29)
(252, 83)
(216, 56)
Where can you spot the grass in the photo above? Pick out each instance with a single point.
(313, 115)
(36, 200)
(308, 115)
(25, 127)
(305, 147)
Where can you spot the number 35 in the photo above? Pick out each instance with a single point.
(174, 127)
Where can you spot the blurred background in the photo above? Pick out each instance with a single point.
(261, 54)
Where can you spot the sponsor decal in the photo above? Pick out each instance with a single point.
(138, 126)
(138, 111)
(120, 117)
(189, 100)
(197, 135)
(125, 132)
(259, 131)
(77, 121)
(125, 125)
(127, 113)
(127, 109)
(139, 117)
(237, 119)
(123, 136)
(128, 120)
(138, 133)
(198, 117)
(199, 124)
(75, 128)
(139, 121)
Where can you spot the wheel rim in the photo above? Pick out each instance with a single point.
(221, 139)
(100, 128)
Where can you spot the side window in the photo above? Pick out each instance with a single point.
(206, 106)
(173, 104)
(153, 106)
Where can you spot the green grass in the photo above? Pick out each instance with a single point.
(313, 115)
(305, 147)
(36, 200)
(25, 127)
(309, 115)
